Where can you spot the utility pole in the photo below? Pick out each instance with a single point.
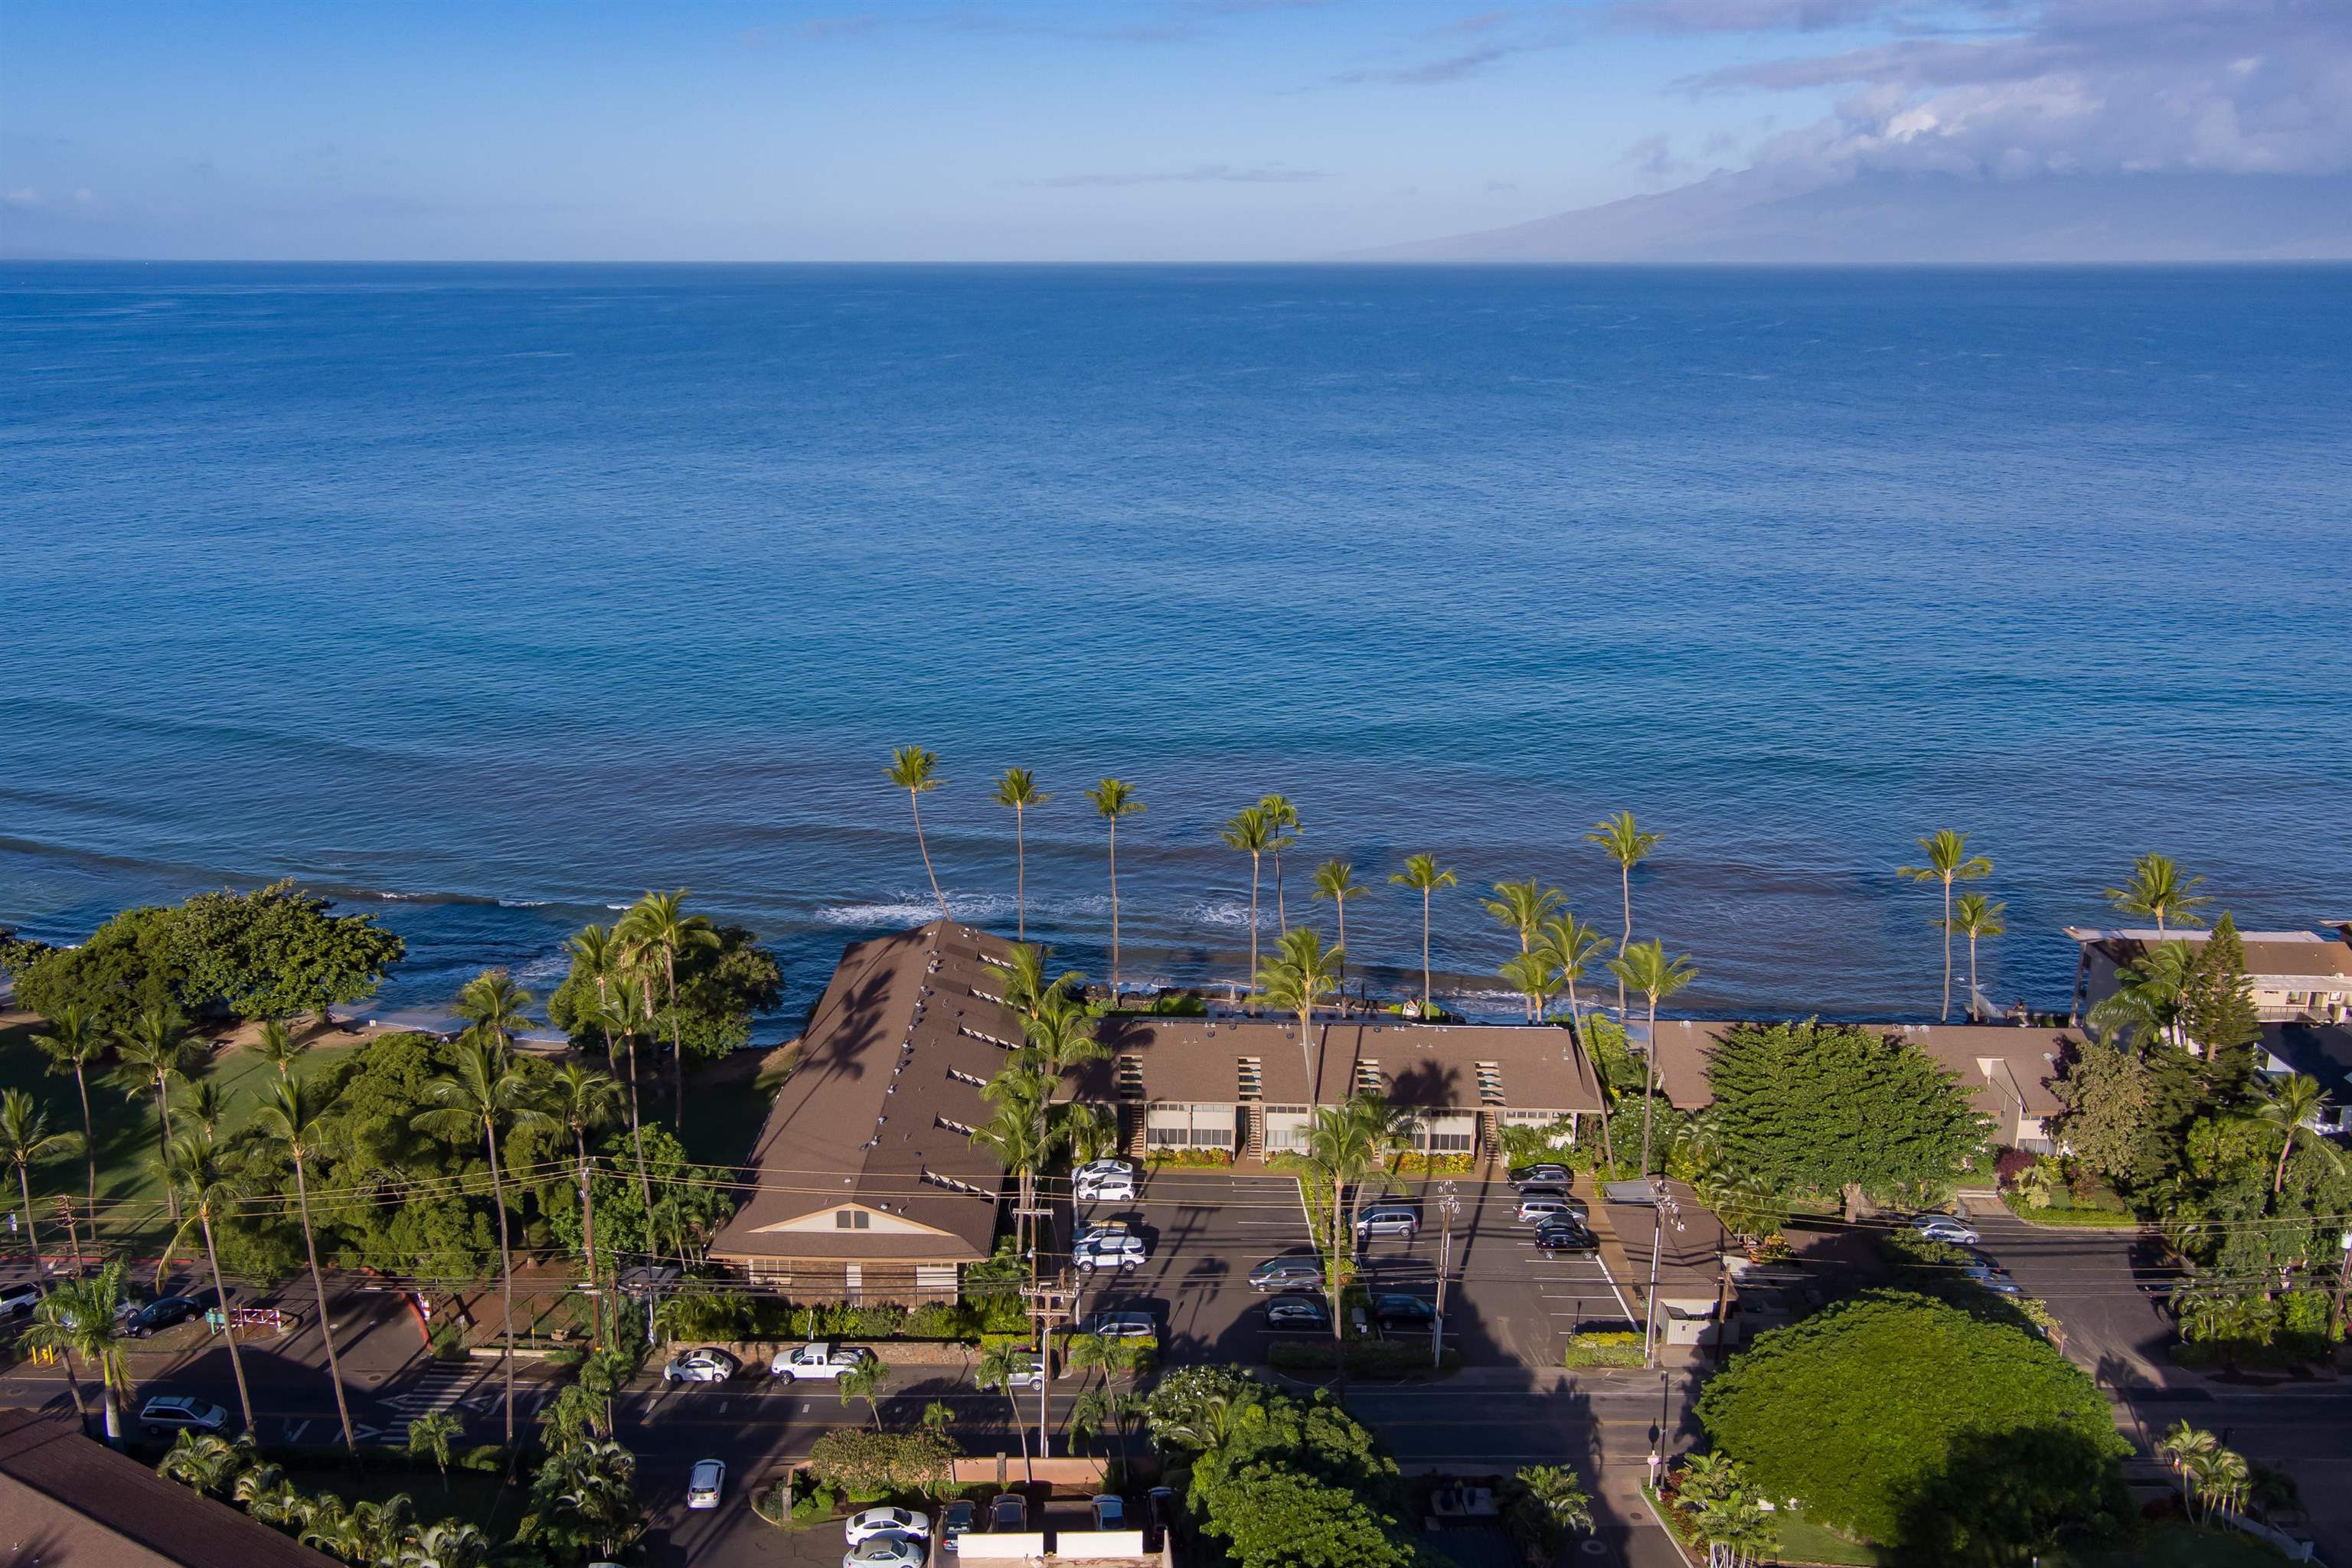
(1661, 1204)
(1051, 1304)
(2343, 1277)
(1448, 1206)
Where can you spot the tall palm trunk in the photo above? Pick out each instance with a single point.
(229, 1319)
(1340, 906)
(1281, 915)
(1424, 953)
(588, 1231)
(32, 1235)
(89, 1148)
(506, 1277)
(926, 848)
(1948, 949)
(326, 1327)
(1114, 913)
(164, 1149)
(1253, 872)
(1973, 992)
(1649, 1084)
(1019, 874)
(637, 1137)
(676, 1041)
(1625, 890)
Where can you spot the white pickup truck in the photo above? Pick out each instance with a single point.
(818, 1359)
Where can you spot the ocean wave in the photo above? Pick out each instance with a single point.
(1230, 912)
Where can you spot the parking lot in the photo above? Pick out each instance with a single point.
(1506, 1302)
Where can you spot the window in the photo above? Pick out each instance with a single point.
(852, 1219)
(1446, 1132)
(1286, 1129)
(1183, 1126)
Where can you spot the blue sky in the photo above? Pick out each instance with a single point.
(1120, 130)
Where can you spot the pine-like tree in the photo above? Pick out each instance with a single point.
(2216, 1011)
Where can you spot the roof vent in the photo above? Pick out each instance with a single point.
(1248, 1082)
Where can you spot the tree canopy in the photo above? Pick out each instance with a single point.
(1877, 1413)
(1813, 1107)
(720, 989)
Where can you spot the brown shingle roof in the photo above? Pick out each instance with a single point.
(2028, 1056)
(66, 1500)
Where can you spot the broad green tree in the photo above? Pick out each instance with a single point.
(1114, 800)
(1018, 789)
(1283, 817)
(1947, 861)
(208, 1192)
(2216, 1007)
(291, 1117)
(25, 1141)
(73, 1043)
(1521, 909)
(1977, 917)
(1302, 974)
(1252, 835)
(1424, 876)
(2158, 891)
(1626, 842)
(1334, 882)
(1645, 967)
(916, 771)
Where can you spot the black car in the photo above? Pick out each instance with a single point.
(955, 1521)
(1008, 1511)
(165, 1311)
(1299, 1312)
(1565, 1236)
(1402, 1312)
(1556, 1175)
(1159, 1516)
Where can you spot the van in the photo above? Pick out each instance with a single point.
(1289, 1272)
(1387, 1219)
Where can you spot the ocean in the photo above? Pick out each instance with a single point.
(484, 598)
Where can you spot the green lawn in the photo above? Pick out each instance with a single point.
(2178, 1545)
(1802, 1540)
(727, 1103)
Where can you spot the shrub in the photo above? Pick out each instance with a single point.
(488, 1456)
(1160, 1158)
(871, 1465)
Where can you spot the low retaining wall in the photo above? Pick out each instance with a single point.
(989, 1470)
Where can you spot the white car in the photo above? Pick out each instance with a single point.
(1127, 1325)
(175, 1413)
(1105, 1181)
(1114, 1250)
(888, 1552)
(1025, 1372)
(1945, 1227)
(817, 1359)
(708, 1365)
(18, 1300)
(705, 1483)
(862, 1527)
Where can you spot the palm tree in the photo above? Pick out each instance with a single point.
(1113, 799)
(658, 929)
(1976, 917)
(1251, 833)
(193, 1167)
(25, 1141)
(2292, 1107)
(2149, 995)
(1574, 946)
(1645, 967)
(1623, 840)
(77, 1322)
(1420, 874)
(432, 1433)
(1019, 791)
(1302, 972)
(1948, 861)
(1535, 976)
(279, 1048)
(1348, 1144)
(596, 953)
(864, 1381)
(584, 1100)
(207, 1462)
(486, 1090)
(207, 1104)
(290, 1118)
(998, 1365)
(1522, 908)
(2158, 890)
(446, 1544)
(2182, 1444)
(916, 771)
(1336, 880)
(1283, 817)
(2220, 1476)
(270, 1497)
(153, 1052)
(1013, 1136)
(73, 1043)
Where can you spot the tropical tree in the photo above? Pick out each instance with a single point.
(2220, 1479)
(1302, 972)
(1645, 968)
(1424, 876)
(278, 1047)
(1976, 918)
(2158, 890)
(1548, 1503)
(206, 1104)
(266, 1494)
(1251, 833)
(152, 1052)
(1534, 975)
(446, 1544)
(1018, 790)
(916, 771)
(1335, 880)
(1348, 1144)
(584, 1102)
(2292, 1109)
(206, 1462)
(486, 1090)
(599, 954)
(25, 1141)
(2149, 997)
(1574, 946)
(78, 1323)
(431, 1434)
(2182, 1444)
(1013, 1136)
(1521, 907)
(192, 1166)
(1283, 817)
(657, 929)
(1624, 841)
(1114, 799)
(864, 1381)
(998, 1367)
(1948, 861)
(74, 1041)
(290, 1118)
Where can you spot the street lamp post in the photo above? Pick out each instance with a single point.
(1448, 1206)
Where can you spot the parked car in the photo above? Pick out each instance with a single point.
(1122, 1325)
(955, 1521)
(1111, 1181)
(1553, 1190)
(1093, 1229)
(705, 1483)
(1159, 1509)
(171, 1413)
(888, 1552)
(1945, 1227)
(1565, 1234)
(18, 1300)
(1111, 1512)
(709, 1364)
(1545, 1171)
(1025, 1372)
(1008, 1511)
(817, 1359)
(164, 1312)
(1993, 1277)
(1399, 1312)
(1544, 1207)
(1288, 1272)
(1387, 1219)
(1299, 1312)
(1113, 1249)
(874, 1521)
